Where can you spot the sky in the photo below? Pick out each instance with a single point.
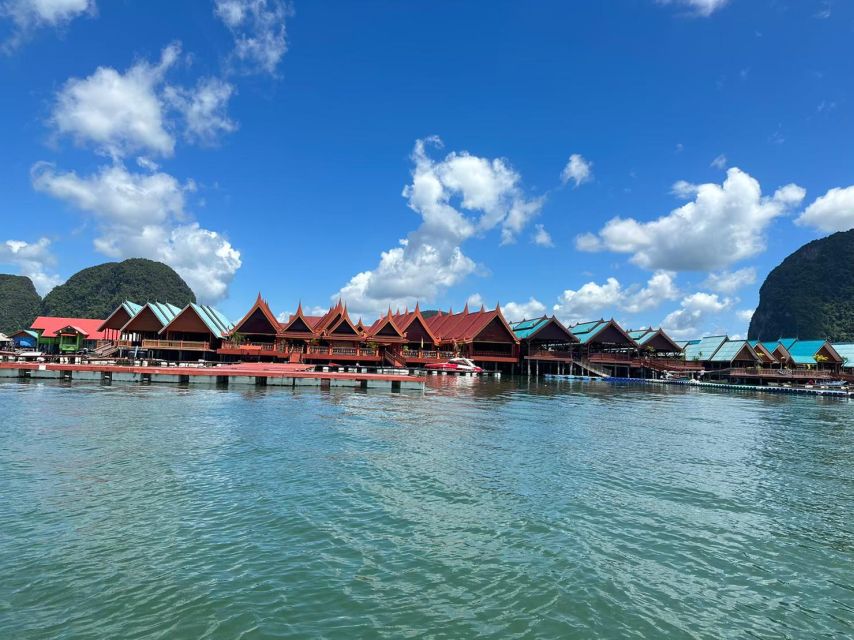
(646, 160)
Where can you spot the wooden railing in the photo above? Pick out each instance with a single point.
(341, 351)
(176, 345)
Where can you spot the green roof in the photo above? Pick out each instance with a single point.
(164, 311)
(704, 348)
(804, 351)
(846, 352)
(787, 342)
(132, 308)
(218, 324)
(729, 350)
(526, 328)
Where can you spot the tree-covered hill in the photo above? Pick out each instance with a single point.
(810, 294)
(19, 303)
(96, 291)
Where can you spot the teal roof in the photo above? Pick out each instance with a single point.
(585, 327)
(704, 348)
(218, 324)
(132, 308)
(787, 342)
(729, 350)
(164, 311)
(846, 352)
(638, 334)
(804, 351)
(526, 328)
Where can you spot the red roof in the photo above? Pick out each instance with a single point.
(87, 326)
(465, 326)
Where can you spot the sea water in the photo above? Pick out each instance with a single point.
(478, 509)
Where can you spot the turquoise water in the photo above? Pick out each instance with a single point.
(483, 509)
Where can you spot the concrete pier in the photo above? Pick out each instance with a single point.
(237, 375)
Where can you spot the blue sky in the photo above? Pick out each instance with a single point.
(640, 159)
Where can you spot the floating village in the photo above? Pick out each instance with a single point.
(160, 342)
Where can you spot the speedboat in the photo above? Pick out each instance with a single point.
(455, 364)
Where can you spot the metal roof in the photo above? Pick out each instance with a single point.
(218, 324)
(804, 351)
(730, 349)
(846, 352)
(526, 328)
(704, 348)
(164, 311)
(786, 342)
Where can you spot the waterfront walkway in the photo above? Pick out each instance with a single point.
(259, 374)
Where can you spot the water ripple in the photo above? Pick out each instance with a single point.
(516, 509)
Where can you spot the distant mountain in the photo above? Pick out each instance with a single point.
(19, 303)
(810, 294)
(96, 291)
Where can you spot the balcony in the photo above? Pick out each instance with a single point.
(177, 345)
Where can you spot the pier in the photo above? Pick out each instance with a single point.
(255, 374)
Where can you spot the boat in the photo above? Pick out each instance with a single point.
(455, 364)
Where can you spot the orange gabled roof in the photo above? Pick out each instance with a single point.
(260, 304)
(386, 320)
(343, 318)
(404, 322)
(465, 326)
(308, 321)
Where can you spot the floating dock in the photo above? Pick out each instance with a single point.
(272, 375)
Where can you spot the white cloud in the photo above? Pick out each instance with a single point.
(142, 215)
(514, 311)
(592, 298)
(457, 198)
(29, 15)
(117, 113)
(702, 8)
(258, 28)
(33, 260)
(684, 189)
(834, 211)
(730, 281)
(475, 301)
(660, 287)
(745, 314)
(722, 225)
(121, 113)
(542, 237)
(115, 195)
(692, 318)
(587, 301)
(719, 162)
(204, 109)
(577, 169)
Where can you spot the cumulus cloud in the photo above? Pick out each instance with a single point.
(745, 314)
(29, 15)
(834, 211)
(204, 109)
(34, 260)
(577, 170)
(121, 113)
(458, 198)
(514, 311)
(143, 215)
(730, 281)
(703, 8)
(723, 224)
(542, 237)
(258, 28)
(117, 112)
(592, 299)
(691, 320)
